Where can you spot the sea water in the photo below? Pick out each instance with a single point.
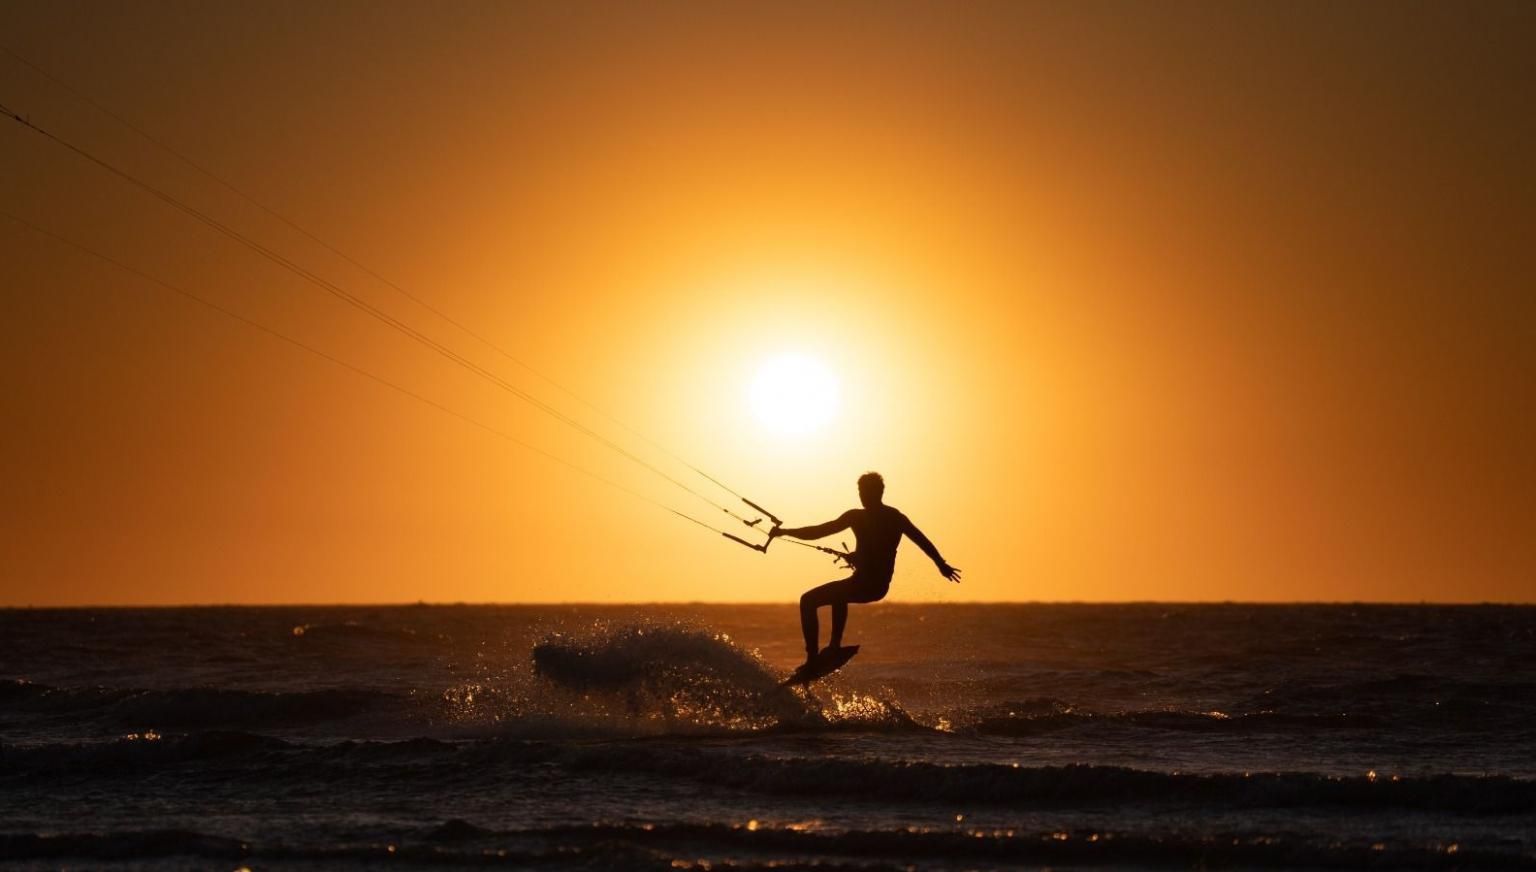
(656, 737)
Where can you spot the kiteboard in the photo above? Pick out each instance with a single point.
(823, 664)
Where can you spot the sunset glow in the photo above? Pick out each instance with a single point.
(1117, 317)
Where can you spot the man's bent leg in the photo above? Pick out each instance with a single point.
(858, 590)
(833, 593)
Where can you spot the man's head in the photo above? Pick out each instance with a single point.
(871, 489)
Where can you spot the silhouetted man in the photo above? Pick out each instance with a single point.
(877, 530)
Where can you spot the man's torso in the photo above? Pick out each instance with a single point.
(877, 533)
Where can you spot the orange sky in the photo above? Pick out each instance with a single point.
(1142, 301)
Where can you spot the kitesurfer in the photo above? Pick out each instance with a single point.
(877, 530)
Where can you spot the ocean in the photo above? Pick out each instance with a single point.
(656, 737)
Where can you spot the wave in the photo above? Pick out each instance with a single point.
(1424, 699)
(132, 754)
(355, 631)
(194, 707)
(1009, 721)
(643, 682)
(752, 846)
(1070, 785)
(735, 768)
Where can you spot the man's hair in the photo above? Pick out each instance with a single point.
(872, 482)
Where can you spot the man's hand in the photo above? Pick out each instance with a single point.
(949, 572)
(774, 533)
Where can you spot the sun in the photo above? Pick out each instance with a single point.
(794, 394)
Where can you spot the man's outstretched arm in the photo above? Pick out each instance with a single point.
(836, 525)
(932, 551)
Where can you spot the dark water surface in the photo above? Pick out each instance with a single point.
(1126, 736)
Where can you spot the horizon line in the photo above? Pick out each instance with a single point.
(754, 603)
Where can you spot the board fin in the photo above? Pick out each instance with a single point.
(828, 661)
